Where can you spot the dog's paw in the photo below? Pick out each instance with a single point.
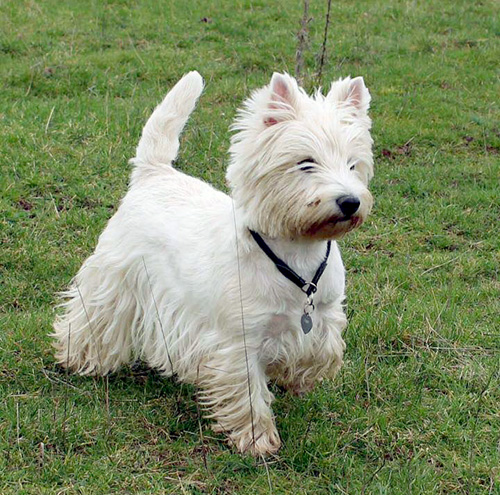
(257, 444)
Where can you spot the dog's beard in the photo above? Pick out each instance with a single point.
(333, 228)
(323, 224)
(296, 224)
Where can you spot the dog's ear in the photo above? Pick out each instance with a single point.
(282, 99)
(350, 92)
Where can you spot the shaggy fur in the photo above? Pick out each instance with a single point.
(177, 281)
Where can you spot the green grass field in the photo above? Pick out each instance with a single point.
(416, 408)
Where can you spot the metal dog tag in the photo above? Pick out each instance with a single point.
(306, 323)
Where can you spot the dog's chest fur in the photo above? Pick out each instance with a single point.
(283, 341)
(277, 325)
(280, 323)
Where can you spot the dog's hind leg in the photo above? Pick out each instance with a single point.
(93, 335)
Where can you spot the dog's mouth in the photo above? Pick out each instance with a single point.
(354, 221)
(334, 227)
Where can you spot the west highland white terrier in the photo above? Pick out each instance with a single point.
(231, 292)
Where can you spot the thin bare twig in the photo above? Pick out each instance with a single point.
(55, 379)
(90, 326)
(198, 413)
(158, 315)
(308, 429)
(322, 56)
(41, 456)
(268, 475)
(482, 393)
(106, 398)
(18, 428)
(372, 477)
(439, 266)
(66, 389)
(49, 119)
(243, 327)
(104, 378)
(303, 42)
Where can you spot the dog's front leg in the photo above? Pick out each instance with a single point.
(234, 389)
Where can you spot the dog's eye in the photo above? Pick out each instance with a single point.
(352, 164)
(307, 168)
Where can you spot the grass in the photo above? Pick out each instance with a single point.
(415, 410)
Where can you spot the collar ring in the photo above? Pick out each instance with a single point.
(309, 288)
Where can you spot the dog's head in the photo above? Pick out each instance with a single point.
(300, 165)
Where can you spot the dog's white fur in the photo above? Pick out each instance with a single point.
(177, 281)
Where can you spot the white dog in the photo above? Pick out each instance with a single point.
(230, 292)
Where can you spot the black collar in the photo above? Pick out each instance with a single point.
(307, 287)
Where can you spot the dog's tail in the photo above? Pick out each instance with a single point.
(159, 142)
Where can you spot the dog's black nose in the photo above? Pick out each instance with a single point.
(348, 205)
